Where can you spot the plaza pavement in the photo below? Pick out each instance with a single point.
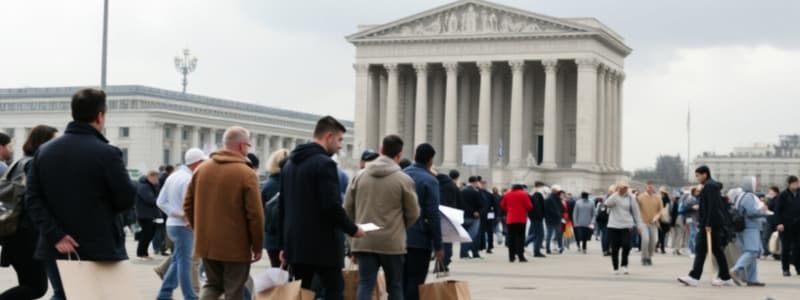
(568, 276)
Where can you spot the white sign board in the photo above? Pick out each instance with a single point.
(475, 155)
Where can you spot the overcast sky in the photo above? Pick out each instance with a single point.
(737, 62)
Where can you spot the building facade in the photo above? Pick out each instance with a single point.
(155, 127)
(771, 164)
(543, 93)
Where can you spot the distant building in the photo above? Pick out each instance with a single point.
(154, 127)
(770, 164)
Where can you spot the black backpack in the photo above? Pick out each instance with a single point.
(736, 214)
(12, 195)
(602, 215)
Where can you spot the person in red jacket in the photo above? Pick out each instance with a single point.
(516, 204)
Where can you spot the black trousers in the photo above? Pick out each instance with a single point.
(701, 250)
(516, 241)
(582, 235)
(418, 262)
(790, 249)
(145, 237)
(18, 252)
(662, 236)
(486, 234)
(330, 278)
(619, 238)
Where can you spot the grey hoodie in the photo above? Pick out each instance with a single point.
(382, 194)
(623, 212)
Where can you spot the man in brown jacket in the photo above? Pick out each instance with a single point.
(382, 194)
(650, 206)
(223, 205)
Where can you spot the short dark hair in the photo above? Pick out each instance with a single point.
(169, 169)
(703, 170)
(404, 163)
(791, 179)
(392, 145)
(87, 104)
(775, 189)
(39, 135)
(454, 174)
(584, 195)
(4, 139)
(424, 153)
(472, 179)
(328, 124)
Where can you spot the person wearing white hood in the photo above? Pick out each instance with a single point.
(754, 212)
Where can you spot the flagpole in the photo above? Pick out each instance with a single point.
(689, 140)
(105, 47)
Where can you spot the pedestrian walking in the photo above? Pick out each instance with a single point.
(754, 212)
(650, 206)
(450, 196)
(787, 211)
(554, 217)
(225, 189)
(516, 205)
(623, 218)
(710, 220)
(536, 216)
(471, 205)
(583, 218)
(272, 186)
(146, 212)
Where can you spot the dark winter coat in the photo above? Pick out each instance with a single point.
(536, 214)
(470, 201)
(787, 209)
(711, 209)
(426, 233)
(553, 209)
(309, 206)
(449, 195)
(78, 185)
(146, 195)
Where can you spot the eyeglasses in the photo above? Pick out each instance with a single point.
(248, 145)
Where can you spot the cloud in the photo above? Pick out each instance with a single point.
(738, 95)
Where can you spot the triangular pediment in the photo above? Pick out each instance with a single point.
(469, 18)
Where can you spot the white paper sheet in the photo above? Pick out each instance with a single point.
(368, 227)
(455, 215)
(451, 220)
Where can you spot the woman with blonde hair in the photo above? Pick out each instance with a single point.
(271, 188)
(623, 219)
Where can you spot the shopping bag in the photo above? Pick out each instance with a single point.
(94, 280)
(569, 232)
(270, 278)
(775, 243)
(290, 291)
(351, 285)
(445, 290)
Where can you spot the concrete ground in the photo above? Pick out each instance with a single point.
(568, 276)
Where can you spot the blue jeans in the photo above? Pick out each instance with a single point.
(368, 265)
(748, 263)
(603, 230)
(180, 270)
(472, 225)
(692, 237)
(554, 231)
(536, 235)
(55, 280)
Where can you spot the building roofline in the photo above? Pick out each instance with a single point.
(140, 90)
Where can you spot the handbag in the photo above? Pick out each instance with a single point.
(95, 280)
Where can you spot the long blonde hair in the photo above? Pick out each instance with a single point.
(275, 160)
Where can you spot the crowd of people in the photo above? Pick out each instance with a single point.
(216, 218)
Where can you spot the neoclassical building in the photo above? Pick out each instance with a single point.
(544, 93)
(155, 127)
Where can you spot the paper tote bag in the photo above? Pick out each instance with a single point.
(289, 291)
(445, 290)
(351, 286)
(92, 280)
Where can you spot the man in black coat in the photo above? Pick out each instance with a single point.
(312, 215)
(78, 186)
(554, 217)
(787, 212)
(536, 215)
(449, 196)
(710, 222)
(490, 208)
(471, 205)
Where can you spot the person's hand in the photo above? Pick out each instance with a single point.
(439, 254)
(476, 215)
(67, 245)
(359, 234)
(780, 228)
(696, 206)
(353, 259)
(282, 257)
(708, 228)
(257, 255)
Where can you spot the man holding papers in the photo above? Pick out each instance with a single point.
(385, 197)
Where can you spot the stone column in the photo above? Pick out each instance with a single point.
(551, 117)
(485, 104)
(451, 115)
(602, 119)
(515, 155)
(373, 112)
(382, 85)
(438, 114)
(361, 112)
(421, 108)
(586, 137)
(609, 126)
(392, 101)
(177, 145)
(619, 80)
(195, 138)
(20, 135)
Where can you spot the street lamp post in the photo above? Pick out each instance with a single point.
(185, 64)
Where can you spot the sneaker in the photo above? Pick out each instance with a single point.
(720, 282)
(616, 272)
(756, 284)
(787, 274)
(688, 281)
(625, 270)
(737, 276)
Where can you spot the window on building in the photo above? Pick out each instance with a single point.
(167, 132)
(125, 156)
(185, 134)
(166, 157)
(218, 138)
(124, 132)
